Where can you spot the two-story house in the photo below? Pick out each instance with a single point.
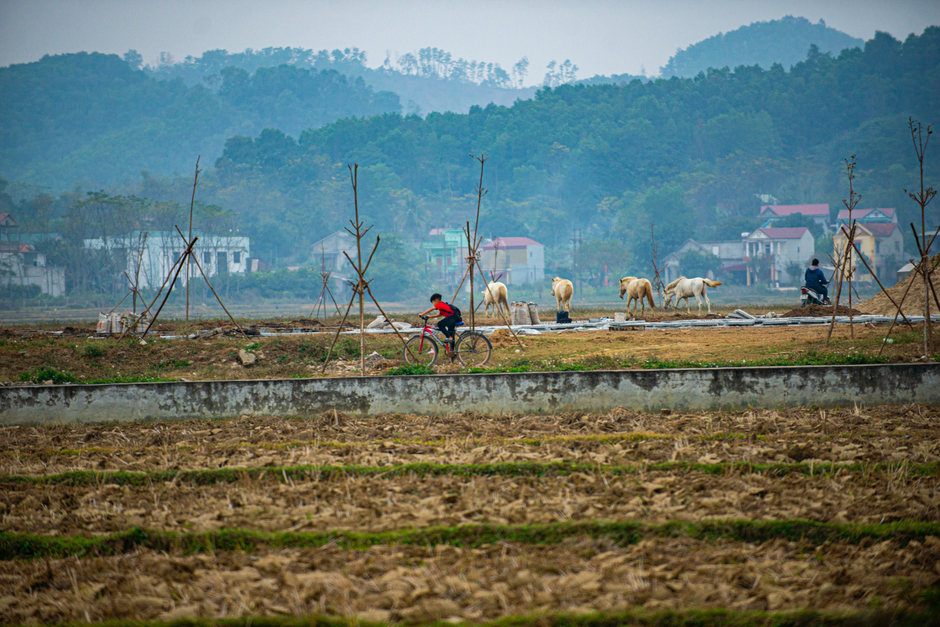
(784, 246)
(445, 252)
(882, 245)
(879, 237)
(517, 259)
(818, 213)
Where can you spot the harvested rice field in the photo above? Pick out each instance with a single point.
(759, 517)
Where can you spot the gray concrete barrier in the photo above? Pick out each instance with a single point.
(701, 389)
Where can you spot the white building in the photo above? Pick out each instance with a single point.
(729, 255)
(329, 251)
(20, 264)
(518, 259)
(784, 246)
(216, 254)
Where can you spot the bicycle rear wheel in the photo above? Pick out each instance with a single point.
(425, 355)
(474, 349)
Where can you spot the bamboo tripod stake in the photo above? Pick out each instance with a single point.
(472, 257)
(923, 199)
(324, 289)
(214, 293)
(657, 271)
(845, 267)
(361, 285)
(191, 203)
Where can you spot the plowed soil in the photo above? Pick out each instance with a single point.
(861, 465)
(421, 585)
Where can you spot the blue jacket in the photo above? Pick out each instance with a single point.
(815, 279)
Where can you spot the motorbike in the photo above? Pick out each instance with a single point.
(809, 296)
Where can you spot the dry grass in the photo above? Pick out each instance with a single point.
(867, 460)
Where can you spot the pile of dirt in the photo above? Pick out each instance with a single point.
(501, 338)
(914, 301)
(820, 311)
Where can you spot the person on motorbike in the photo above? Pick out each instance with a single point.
(816, 281)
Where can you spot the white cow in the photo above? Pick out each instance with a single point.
(496, 294)
(687, 288)
(562, 290)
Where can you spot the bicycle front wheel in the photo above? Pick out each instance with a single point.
(422, 355)
(474, 349)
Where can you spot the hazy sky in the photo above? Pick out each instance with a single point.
(600, 36)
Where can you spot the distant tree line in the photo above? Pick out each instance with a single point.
(688, 155)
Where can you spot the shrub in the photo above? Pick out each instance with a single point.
(410, 369)
(93, 351)
(48, 374)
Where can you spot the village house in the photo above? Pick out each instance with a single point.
(21, 264)
(868, 216)
(880, 239)
(882, 245)
(514, 260)
(785, 246)
(729, 253)
(444, 255)
(817, 213)
(328, 252)
(217, 254)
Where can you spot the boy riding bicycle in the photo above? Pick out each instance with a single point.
(451, 316)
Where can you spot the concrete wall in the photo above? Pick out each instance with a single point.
(649, 390)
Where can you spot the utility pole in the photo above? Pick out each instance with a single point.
(576, 260)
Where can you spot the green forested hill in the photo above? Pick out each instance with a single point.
(93, 118)
(427, 81)
(687, 154)
(783, 41)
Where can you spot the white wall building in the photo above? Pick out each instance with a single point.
(519, 260)
(784, 245)
(217, 254)
(21, 265)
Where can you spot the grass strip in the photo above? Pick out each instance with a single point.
(28, 546)
(208, 476)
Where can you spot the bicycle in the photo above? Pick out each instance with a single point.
(471, 348)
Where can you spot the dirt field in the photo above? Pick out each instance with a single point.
(77, 356)
(761, 510)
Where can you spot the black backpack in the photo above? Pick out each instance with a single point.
(456, 310)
